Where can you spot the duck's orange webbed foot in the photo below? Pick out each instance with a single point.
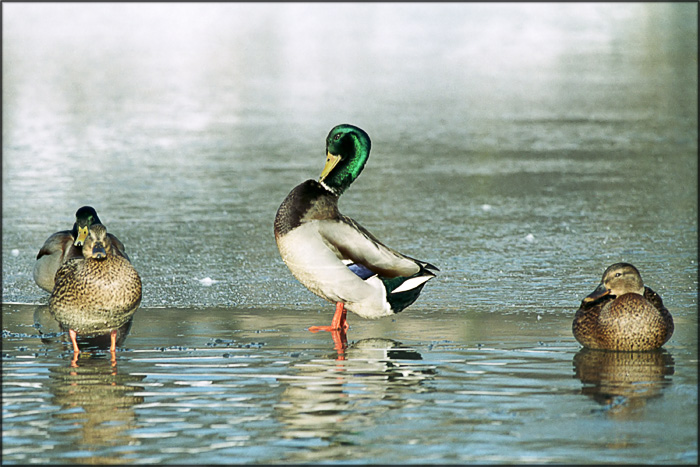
(339, 323)
(338, 329)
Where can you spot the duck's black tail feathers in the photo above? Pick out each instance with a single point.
(403, 291)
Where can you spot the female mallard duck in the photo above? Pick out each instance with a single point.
(97, 293)
(334, 256)
(66, 244)
(622, 314)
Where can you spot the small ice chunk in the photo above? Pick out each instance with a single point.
(207, 281)
(485, 207)
(530, 238)
(15, 252)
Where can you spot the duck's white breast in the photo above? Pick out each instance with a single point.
(317, 264)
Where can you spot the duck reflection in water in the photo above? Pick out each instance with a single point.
(105, 401)
(51, 330)
(326, 397)
(622, 382)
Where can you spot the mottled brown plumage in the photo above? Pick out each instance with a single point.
(622, 314)
(98, 293)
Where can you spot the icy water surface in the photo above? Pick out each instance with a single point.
(520, 148)
(232, 385)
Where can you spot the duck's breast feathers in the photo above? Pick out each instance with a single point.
(598, 304)
(352, 242)
(111, 275)
(95, 295)
(308, 201)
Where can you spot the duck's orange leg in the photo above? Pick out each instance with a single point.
(337, 329)
(339, 323)
(74, 339)
(340, 341)
(113, 346)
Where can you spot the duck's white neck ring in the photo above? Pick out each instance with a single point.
(323, 184)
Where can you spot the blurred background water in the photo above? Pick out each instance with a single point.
(522, 148)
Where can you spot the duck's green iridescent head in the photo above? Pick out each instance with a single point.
(84, 218)
(347, 151)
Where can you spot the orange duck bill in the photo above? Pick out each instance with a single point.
(599, 292)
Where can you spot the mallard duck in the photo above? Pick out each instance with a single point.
(97, 293)
(67, 244)
(622, 314)
(334, 256)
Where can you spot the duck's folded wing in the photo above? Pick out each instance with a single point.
(118, 246)
(57, 243)
(352, 242)
(654, 298)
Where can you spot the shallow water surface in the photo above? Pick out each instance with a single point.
(522, 149)
(223, 385)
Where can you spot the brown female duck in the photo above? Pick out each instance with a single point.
(95, 294)
(67, 244)
(622, 314)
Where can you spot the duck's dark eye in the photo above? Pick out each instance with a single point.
(337, 137)
(618, 274)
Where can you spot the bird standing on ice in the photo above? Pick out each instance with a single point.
(334, 256)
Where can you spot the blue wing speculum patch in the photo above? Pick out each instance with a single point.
(361, 271)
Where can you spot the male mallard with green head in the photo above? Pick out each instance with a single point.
(67, 244)
(334, 256)
(622, 314)
(97, 293)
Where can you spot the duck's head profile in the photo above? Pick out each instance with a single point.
(619, 279)
(97, 245)
(84, 218)
(347, 151)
